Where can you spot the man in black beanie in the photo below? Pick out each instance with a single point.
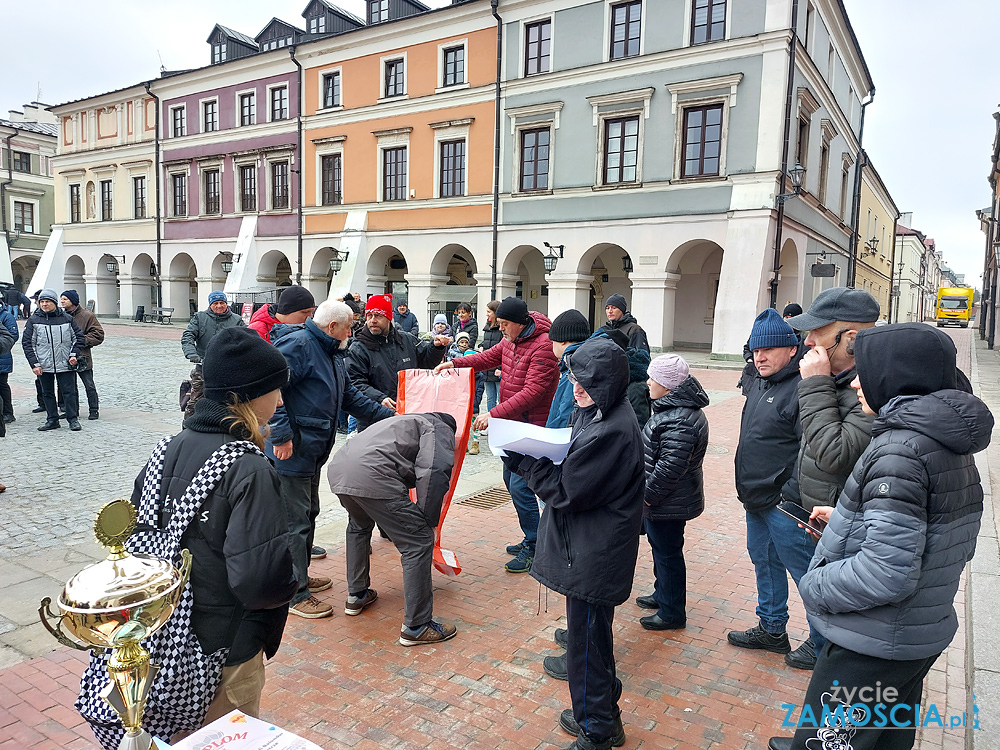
(295, 304)
(619, 318)
(568, 331)
(93, 334)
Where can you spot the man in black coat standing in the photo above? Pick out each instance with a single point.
(588, 536)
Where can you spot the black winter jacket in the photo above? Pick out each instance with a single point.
(588, 536)
(201, 329)
(627, 324)
(769, 438)
(470, 327)
(242, 577)
(675, 440)
(638, 391)
(491, 337)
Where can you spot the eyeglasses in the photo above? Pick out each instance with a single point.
(572, 378)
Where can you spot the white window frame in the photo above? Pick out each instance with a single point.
(406, 80)
(309, 20)
(174, 108)
(689, 19)
(330, 147)
(638, 104)
(270, 102)
(525, 23)
(218, 114)
(440, 86)
(244, 161)
(394, 138)
(449, 130)
(269, 160)
(34, 212)
(548, 115)
(321, 103)
(215, 164)
(606, 54)
(239, 109)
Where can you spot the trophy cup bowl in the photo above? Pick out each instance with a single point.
(114, 604)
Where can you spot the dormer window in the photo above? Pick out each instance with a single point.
(218, 52)
(284, 41)
(317, 25)
(378, 11)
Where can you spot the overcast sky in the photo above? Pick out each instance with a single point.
(929, 131)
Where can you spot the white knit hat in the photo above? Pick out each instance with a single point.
(669, 370)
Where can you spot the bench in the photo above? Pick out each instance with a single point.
(158, 315)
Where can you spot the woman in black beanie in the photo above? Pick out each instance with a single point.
(242, 577)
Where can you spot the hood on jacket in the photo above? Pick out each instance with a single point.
(373, 342)
(689, 393)
(539, 324)
(906, 359)
(601, 367)
(956, 419)
(623, 320)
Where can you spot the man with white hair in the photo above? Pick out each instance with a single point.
(304, 427)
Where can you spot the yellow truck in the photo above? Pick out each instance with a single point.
(954, 306)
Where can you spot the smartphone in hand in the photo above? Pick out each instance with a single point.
(800, 515)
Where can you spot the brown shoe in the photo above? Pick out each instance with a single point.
(311, 608)
(434, 632)
(356, 604)
(3, 488)
(319, 583)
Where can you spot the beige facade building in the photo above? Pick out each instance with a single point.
(876, 229)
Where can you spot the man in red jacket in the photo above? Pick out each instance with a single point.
(529, 374)
(294, 305)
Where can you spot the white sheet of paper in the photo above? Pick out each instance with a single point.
(241, 732)
(529, 439)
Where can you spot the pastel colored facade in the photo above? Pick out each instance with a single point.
(27, 145)
(878, 214)
(917, 273)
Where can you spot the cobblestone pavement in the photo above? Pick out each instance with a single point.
(344, 682)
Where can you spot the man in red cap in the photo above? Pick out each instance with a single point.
(381, 350)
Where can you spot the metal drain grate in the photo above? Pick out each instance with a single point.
(489, 499)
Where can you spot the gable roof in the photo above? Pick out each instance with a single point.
(278, 22)
(336, 10)
(243, 38)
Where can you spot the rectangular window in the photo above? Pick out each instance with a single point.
(810, 13)
(178, 122)
(394, 174)
(702, 141)
(621, 150)
(537, 46)
(824, 170)
(248, 187)
(378, 11)
(74, 204)
(708, 21)
(178, 183)
(394, 77)
(106, 205)
(844, 183)
(802, 142)
(454, 66)
(535, 159)
(279, 103)
(625, 29)
(452, 169)
(331, 90)
(279, 184)
(139, 197)
(210, 117)
(317, 25)
(22, 161)
(24, 217)
(213, 193)
(332, 168)
(218, 53)
(248, 109)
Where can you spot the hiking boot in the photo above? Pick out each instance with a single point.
(561, 637)
(317, 553)
(521, 563)
(646, 602)
(355, 604)
(432, 632)
(74, 424)
(757, 637)
(38, 410)
(50, 424)
(555, 666)
(474, 448)
(569, 725)
(319, 583)
(804, 657)
(514, 549)
(94, 415)
(311, 608)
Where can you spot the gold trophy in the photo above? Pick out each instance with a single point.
(114, 604)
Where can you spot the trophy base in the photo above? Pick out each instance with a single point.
(138, 741)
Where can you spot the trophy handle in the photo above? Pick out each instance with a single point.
(185, 568)
(56, 632)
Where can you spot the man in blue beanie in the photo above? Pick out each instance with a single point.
(765, 475)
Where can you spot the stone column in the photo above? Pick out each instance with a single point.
(569, 291)
(176, 292)
(104, 291)
(375, 285)
(746, 268)
(206, 285)
(653, 295)
(506, 286)
(419, 287)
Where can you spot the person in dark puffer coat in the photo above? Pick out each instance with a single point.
(882, 582)
(638, 362)
(674, 440)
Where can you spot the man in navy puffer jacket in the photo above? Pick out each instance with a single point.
(882, 583)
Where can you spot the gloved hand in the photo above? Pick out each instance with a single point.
(513, 461)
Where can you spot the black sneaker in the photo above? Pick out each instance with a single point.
(521, 563)
(356, 604)
(555, 666)
(569, 725)
(804, 657)
(94, 415)
(514, 549)
(646, 602)
(562, 637)
(317, 553)
(757, 637)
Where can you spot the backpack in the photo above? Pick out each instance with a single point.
(187, 680)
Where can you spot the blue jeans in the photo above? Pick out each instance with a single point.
(492, 394)
(13, 310)
(776, 544)
(480, 383)
(525, 505)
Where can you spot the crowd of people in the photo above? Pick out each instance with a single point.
(854, 469)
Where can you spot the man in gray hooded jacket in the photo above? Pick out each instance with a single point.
(372, 475)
